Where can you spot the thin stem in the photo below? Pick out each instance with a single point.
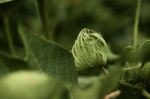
(105, 71)
(43, 12)
(146, 94)
(38, 12)
(70, 92)
(128, 84)
(136, 24)
(9, 36)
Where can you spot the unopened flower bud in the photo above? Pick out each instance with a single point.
(89, 50)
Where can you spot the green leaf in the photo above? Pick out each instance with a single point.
(89, 88)
(48, 57)
(127, 54)
(98, 87)
(140, 55)
(111, 82)
(144, 52)
(111, 56)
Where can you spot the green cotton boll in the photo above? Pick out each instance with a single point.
(89, 50)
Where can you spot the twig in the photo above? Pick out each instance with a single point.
(135, 40)
(9, 36)
(146, 94)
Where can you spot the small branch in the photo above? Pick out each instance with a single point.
(135, 42)
(9, 36)
(38, 13)
(143, 91)
(104, 71)
(70, 92)
(43, 14)
(127, 84)
(146, 94)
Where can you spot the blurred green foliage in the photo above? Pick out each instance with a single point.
(48, 21)
(65, 18)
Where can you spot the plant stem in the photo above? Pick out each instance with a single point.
(38, 12)
(104, 71)
(9, 36)
(135, 42)
(43, 13)
(128, 84)
(146, 94)
(70, 92)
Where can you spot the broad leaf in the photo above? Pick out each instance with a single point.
(127, 54)
(111, 82)
(141, 54)
(98, 87)
(48, 57)
(89, 88)
(144, 52)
